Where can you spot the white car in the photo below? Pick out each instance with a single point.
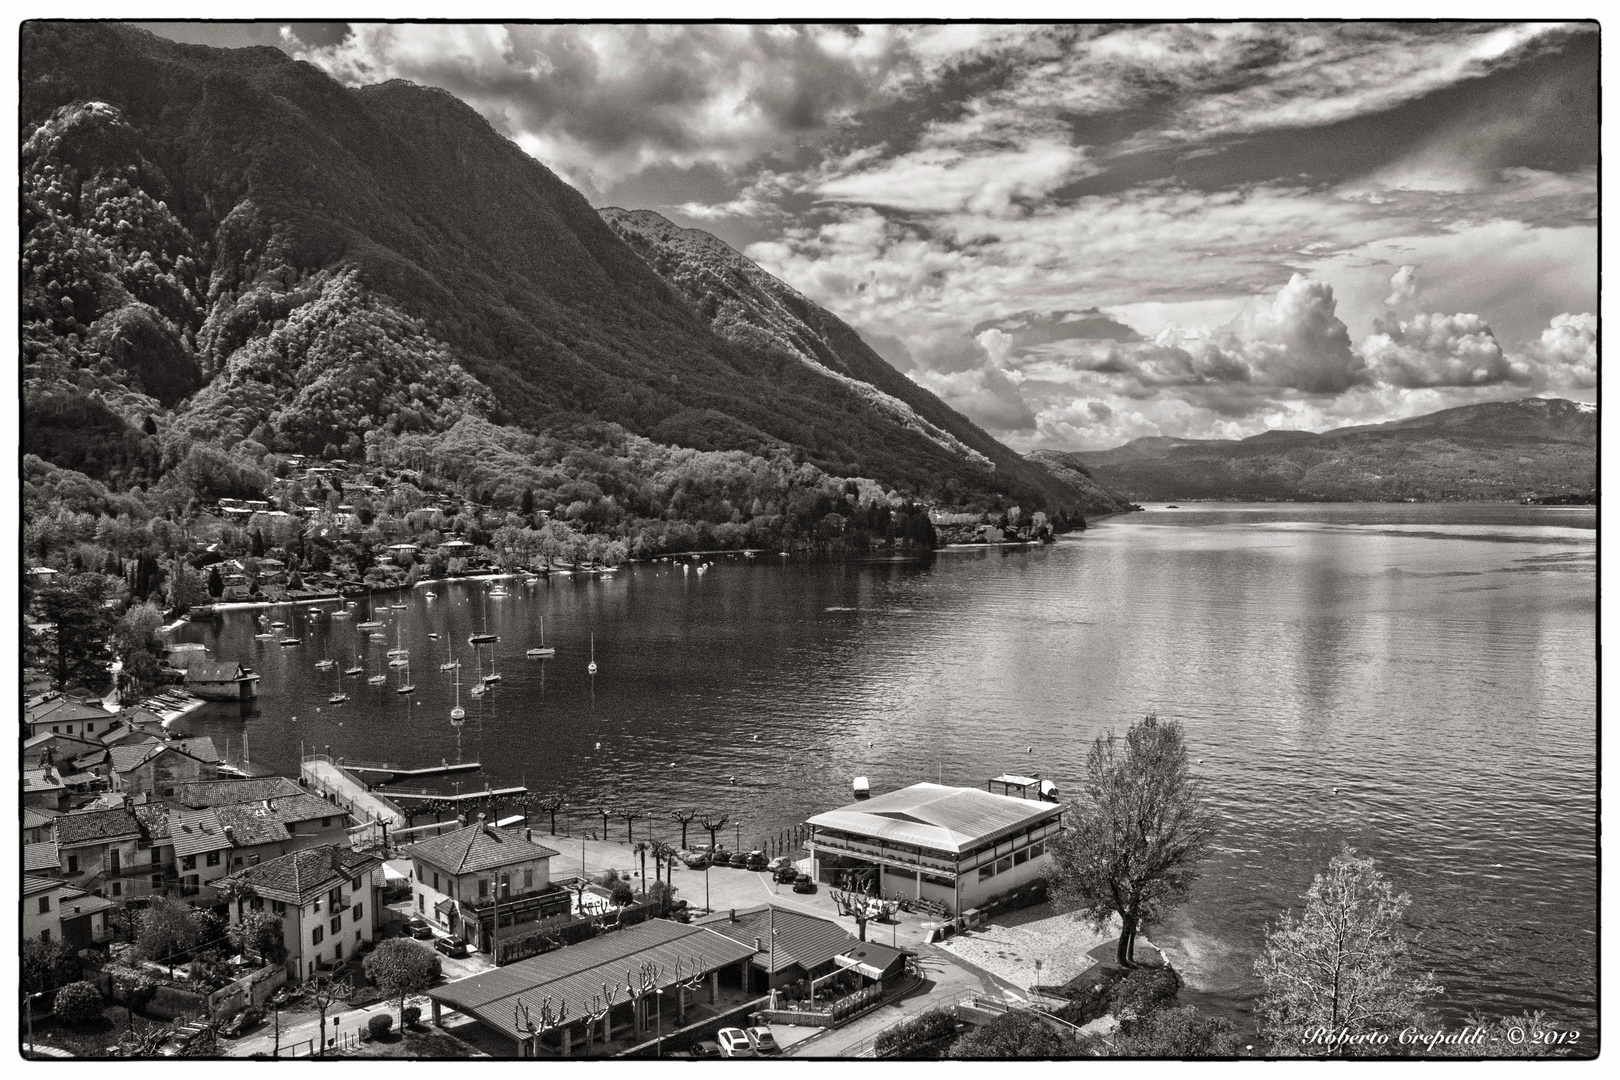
(762, 1041)
(734, 1043)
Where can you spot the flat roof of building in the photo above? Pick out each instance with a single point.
(573, 974)
(949, 819)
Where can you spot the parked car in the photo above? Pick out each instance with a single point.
(778, 864)
(734, 1043)
(708, 1048)
(694, 860)
(802, 883)
(786, 874)
(453, 946)
(720, 857)
(242, 1023)
(418, 928)
(763, 1042)
(739, 861)
(757, 861)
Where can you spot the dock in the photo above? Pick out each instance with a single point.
(327, 777)
(355, 786)
(381, 775)
(464, 797)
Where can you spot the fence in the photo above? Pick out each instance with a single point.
(845, 1008)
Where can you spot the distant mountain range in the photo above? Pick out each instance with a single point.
(1497, 450)
(235, 244)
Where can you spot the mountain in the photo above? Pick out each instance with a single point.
(1497, 450)
(759, 313)
(227, 247)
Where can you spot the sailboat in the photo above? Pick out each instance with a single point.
(479, 687)
(541, 651)
(405, 684)
(484, 635)
(493, 676)
(590, 668)
(359, 666)
(458, 714)
(378, 679)
(338, 696)
(369, 624)
(450, 661)
(398, 655)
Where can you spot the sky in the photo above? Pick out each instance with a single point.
(1078, 235)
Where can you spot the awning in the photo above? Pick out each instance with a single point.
(872, 960)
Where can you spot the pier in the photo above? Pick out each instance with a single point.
(466, 796)
(380, 775)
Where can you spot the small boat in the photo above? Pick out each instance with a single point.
(337, 698)
(450, 662)
(399, 652)
(863, 787)
(368, 625)
(431, 595)
(340, 614)
(478, 690)
(493, 676)
(590, 668)
(379, 637)
(433, 637)
(458, 714)
(483, 635)
(400, 661)
(326, 663)
(377, 680)
(292, 641)
(263, 637)
(540, 651)
(401, 607)
(278, 625)
(405, 684)
(351, 671)
(499, 591)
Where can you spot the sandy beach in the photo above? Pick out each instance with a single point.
(1009, 947)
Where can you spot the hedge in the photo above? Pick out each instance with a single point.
(903, 1038)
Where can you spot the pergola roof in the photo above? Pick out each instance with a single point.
(573, 974)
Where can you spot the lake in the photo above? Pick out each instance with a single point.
(1416, 680)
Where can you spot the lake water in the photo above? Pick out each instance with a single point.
(1416, 680)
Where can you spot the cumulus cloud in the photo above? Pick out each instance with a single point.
(1440, 350)
(1402, 287)
(1568, 352)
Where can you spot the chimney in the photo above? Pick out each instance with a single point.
(759, 946)
(732, 914)
(528, 834)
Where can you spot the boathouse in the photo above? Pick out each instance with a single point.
(221, 680)
(955, 847)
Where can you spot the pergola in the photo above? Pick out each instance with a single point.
(577, 988)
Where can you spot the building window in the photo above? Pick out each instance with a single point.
(89, 727)
(157, 856)
(112, 861)
(278, 907)
(187, 862)
(1020, 857)
(357, 912)
(73, 864)
(326, 822)
(45, 934)
(483, 888)
(256, 903)
(528, 879)
(213, 858)
(1035, 850)
(358, 934)
(337, 924)
(239, 860)
(157, 882)
(337, 951)
(118, 888)
(421, 902)
(987, 871)
(435, 882)
(44, 904)
(319, 935)
(1004, 864)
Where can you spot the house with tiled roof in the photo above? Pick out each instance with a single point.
(326, 898)
(160, 768)
(56, 748)
(66, 716)
(267, 829)
(227, 792)
(37, 824)
(460, 875)
(104, 852)
(191, 846)
(41, 857)
(53, 910)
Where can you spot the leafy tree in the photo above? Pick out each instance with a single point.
(623, 894)
(380, 1025)
(1019, 1033)
(399, 967)
(260, 934)
(216, 584)
(46, 964)
(186, 586)
(138, 993)
(167, 928)
(79, 1003)
(82, 624)
(1136, 835)
(1343, 967)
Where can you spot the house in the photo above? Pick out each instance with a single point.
(261, 831)
(227, 792)
(791, 946)
(53, 910)
(55, 748)
(460, 876)
(41, 857)
(40, 576)
(191, 846)
(37, 824)
(102, 852)
(404, 554)
(66, 716)
(325, 896)
(221, 680)
(956, 847)
(159, 768)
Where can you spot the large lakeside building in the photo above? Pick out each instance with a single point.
(957, 847)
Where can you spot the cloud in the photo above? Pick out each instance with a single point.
(1402, 287)
(1568, 352)
(1440, 350)
(984, 395)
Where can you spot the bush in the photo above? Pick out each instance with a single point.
(79, 1003)
(623, 894)
(903, 1038)
(411, 1014)
(380, 1025)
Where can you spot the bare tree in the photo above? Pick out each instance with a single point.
(1343, 967)
(629, 817)
(713, 824)
(1136, 836)
(685, 816)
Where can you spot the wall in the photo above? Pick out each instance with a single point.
(254, 988)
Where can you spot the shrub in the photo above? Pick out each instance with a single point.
(623, 894)
(380, 1025)
(411, 1015)
(79, 1003)
(903, 1038)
